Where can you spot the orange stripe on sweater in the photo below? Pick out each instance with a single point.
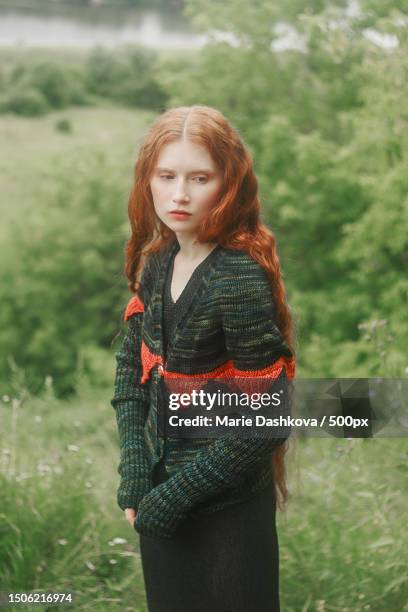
(149, 360)
(251, 380)
(134, 306)
(228, 369)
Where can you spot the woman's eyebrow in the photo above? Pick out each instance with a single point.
(198, 171)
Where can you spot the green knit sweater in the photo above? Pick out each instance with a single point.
(227, 331)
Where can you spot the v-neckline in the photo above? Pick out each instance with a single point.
(152, 320)
(192, 276)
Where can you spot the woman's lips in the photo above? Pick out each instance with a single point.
(180, 214)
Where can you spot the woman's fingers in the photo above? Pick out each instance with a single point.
(130, 515)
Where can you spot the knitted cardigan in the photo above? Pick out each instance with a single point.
(226, 331)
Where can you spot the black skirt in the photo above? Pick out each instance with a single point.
(227, 561)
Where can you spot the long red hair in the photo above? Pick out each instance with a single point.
(233, 223)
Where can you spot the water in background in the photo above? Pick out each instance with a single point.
(85, 28)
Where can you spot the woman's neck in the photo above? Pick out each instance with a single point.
(191, 250)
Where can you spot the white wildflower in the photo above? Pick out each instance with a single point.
(117, 541)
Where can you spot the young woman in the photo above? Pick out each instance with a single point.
(209, 303)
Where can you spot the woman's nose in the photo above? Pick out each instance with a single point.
(180, 194)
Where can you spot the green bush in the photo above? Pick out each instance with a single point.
(129, 79)
(60, 85)
(104, 71)
(35, 88)
(28, 102)
(63, 272)
(142, 94)
(64, 126)
(51, 80)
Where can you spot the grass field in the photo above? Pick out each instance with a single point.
(61, 528)
(33, 152)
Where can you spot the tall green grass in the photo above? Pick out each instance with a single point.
(343, 538)
(60, 527)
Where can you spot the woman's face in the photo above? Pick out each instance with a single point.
(186, 180)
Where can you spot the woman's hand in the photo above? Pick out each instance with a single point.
(130, 515)
(160, 513)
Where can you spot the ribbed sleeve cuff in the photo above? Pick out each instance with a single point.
(131, 492)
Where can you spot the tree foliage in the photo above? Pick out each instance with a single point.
(63, 276)
(326, 124)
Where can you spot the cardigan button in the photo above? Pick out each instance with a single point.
(161, 370)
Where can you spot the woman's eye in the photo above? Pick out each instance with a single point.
(197, 179)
